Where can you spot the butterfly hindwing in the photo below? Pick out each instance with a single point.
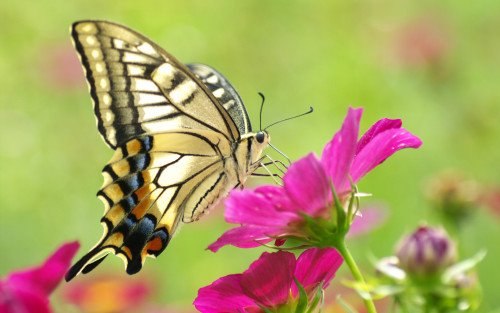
(139, 88)
(152, 183)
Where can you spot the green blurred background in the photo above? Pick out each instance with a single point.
(435, 65)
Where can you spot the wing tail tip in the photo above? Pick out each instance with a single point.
(85, 264)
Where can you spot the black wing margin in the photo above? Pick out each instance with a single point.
(225, 93)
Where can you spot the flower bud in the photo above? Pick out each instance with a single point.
(425, 252)
(453, 196)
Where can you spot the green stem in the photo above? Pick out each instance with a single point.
(356, 273)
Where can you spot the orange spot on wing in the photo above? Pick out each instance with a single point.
(154, 245)
(144, 190)
(133, 146)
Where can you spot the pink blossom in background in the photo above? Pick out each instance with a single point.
(370, 218)
(269, 282)
(422, 42)
(490, 198)
(60, 67)
(271, 212)
(28, 291)
(109, 293)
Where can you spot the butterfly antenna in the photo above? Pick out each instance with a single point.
(261, 107)
(290, 118)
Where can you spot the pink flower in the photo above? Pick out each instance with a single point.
(372, 217)
(271, 212)
(269, 282)
(59, 67)
(422, 42)
(28, 291)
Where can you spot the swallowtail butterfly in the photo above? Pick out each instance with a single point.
(181, 137)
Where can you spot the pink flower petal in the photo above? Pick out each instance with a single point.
(380, 148)
(338, 154)
(27, 291)
(250, 207)
(246, 236)
(377, 128)
(307, 184)
(22, 298)
(223, 295)
(47, 276)
(268, 279)
(278, 196)
(315, 266)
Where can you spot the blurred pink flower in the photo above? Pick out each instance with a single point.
(370, 218)
(423, 42)
(28, 291)
(108, 294)
(491, 199)
(269, 282)
(60, 66)
(271, 212)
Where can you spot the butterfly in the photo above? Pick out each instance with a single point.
(181, 136)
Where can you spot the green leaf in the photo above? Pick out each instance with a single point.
(383, 291)
(462, 267)
(302, 304)
(347, 307)
(363, 289)
(385, 267)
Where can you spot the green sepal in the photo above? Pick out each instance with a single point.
(318, 229)
(263, 308)
(302, 302)
(318, 297)
(339, 213)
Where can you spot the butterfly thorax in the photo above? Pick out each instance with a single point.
(248, 153)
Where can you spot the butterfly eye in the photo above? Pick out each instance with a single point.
(260, 137)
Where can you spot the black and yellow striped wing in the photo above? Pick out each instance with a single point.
(151, 184)
(225, 94)
(173, 128)
(137, 87)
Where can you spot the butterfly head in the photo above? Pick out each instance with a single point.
(260, 141)
(252, 145)
(262, 138)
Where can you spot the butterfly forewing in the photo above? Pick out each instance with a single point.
(139, 88)
(225, 94)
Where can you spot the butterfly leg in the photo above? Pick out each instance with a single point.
(282, 168)
(264, 165)
(270, 174)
